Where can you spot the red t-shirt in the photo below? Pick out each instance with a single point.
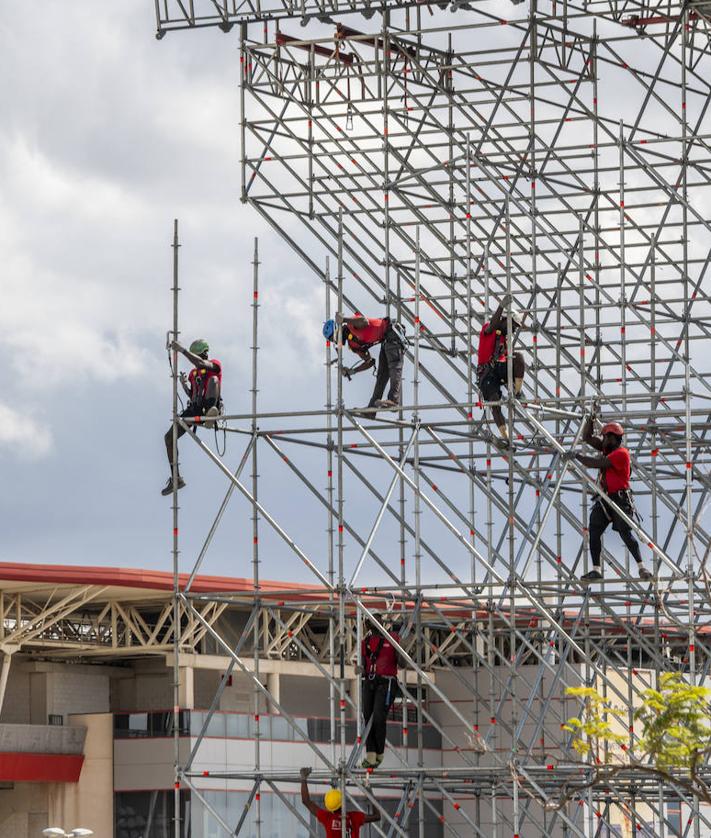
(332, 823)
(617, 477)
(199, 377)
(386, 662)
(374, 332)
(487, 346)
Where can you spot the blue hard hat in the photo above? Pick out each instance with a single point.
(329, 329)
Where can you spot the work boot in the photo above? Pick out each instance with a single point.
(168, 488)
(211, 416)
(386, 404)
(367, 412)
(379, 759)
(591, 575)
(370, 761)
(644, 573)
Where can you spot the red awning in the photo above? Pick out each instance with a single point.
(40, 768)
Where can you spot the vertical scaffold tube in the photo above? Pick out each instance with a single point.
(176, 546)
(255, 532)
(341, 545)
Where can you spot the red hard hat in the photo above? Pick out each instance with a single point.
(613, 428)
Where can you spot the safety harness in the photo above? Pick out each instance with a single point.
(499, 349)
(372, 656)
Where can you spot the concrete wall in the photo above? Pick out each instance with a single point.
(24, 811)
(16, 706)
(88, 803)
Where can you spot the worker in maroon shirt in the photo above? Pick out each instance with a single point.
(361, 334)
(331, 818)
(492, 366)
(614, 482)
(202, 386)
(379, 665)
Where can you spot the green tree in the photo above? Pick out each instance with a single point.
(676, 737)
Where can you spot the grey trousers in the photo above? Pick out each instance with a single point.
(390, 362)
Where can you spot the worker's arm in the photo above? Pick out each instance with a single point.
(358, 322)
(184, 382)
(372, 816)
(593, 462)
(495, 321)
(589, 435)
(305, 796)
(367, 361)
(194, 359)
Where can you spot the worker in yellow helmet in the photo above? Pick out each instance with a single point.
(331, 816)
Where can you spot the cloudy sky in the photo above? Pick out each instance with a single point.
(108, 135)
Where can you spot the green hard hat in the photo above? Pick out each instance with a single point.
(199, 346)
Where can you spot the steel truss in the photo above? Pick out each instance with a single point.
(438, 161)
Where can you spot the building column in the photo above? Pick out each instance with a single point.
(186, 691)
(274, 687)
(8, 652)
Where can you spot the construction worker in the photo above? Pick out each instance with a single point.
(331, 816)
(614, 482)
(379, 665)
(492, 365)
(362, 333)
(203, 388)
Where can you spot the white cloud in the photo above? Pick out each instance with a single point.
(24, 436)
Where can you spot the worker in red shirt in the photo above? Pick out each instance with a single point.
(379, 665)
(331, 817)
(492, 366)
(614, 482)
(361, 334)
(203, 386)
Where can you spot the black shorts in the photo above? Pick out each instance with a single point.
(193, 410)
(492, 380)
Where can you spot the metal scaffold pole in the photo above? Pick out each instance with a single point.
(441, 159)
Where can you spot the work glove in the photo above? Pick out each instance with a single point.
(567, 456)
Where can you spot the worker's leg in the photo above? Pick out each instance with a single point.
(491, 392)
(368, 695)
(381, 377)
(519, 370)
(168, 488)
(169, 443)
(624, 529)
(599, 522)
(212, 395)
(395, 353)
(380, 716)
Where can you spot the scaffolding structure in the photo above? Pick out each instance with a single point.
(424, 160)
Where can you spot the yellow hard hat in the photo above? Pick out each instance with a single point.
(332, 800)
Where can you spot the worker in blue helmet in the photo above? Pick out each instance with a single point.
(361, 334)
(203, 387)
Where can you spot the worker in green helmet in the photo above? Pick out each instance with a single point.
(203, 386)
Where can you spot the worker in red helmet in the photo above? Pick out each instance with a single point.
(614, 482)
(492, 364)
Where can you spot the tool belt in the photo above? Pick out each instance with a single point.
(625, 500)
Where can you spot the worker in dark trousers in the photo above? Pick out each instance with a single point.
(203, 387)
(331, 817)
(492, 364)
(614, 481)
(379, 665)
(361, 334)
